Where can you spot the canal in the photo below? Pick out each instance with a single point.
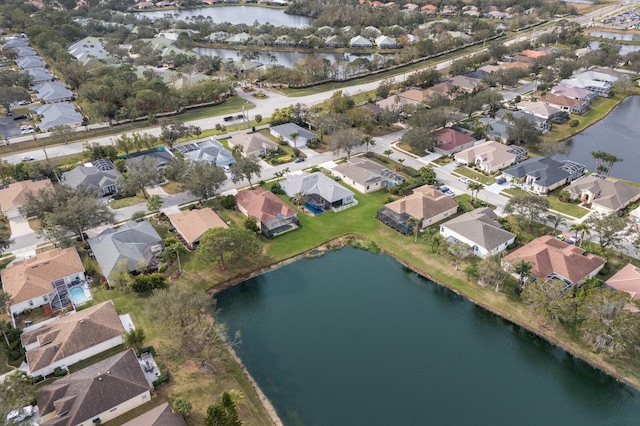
(354, 338)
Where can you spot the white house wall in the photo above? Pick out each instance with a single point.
(119, 409)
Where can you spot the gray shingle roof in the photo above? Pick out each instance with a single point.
(53, 91)
(58, 114)
(80, 396)
(136, 242)
(91, 178)
(288, 128)
(609, 193)
(481, 227)
(40, 74)
(315, 183)
(31, 62)
(546, 171)
(211, 151)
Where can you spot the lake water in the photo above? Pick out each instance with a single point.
(624, 48)
(617, 134)
(287, 59)
(353, 338)
(234, 15)
(615, 36)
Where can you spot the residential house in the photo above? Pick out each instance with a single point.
(496, 129)
(410, 7)
(144, 5)
(284, 41)
(426, 203)
(496, 14)
(284, 132)
(366, 175)
(605, 195)
(58, 114)
(238, 39)
(626, 279)
(384, 42)
(23, 51)
(161, 156)
(14, 42)
(216, 37)
(268, 40)
(274, 215)
(395, 102)
(100, 176)
(508, 115)
(96, 394)
(320, 193)
(135, 245)
(210, 151)
(334, 41)
(72, 338)
(40, 75)
(480, 230)
(53, 92)
(534, 54)
(601, 88)
(359, 42)
(542, 175)
(413, 96)
(446, 89)
(91, 51)
(253, 144)
(465, 83)
(491, 156)
(574, 93)
(27, 62)
(42, 280)
(574, 106)
(192, 224)
(635, 215)
(449, 11)
(551, 258)
(429, 9)
(542, 110)
(371, 31)
(162, 415)
(14, 195)
(451, 141)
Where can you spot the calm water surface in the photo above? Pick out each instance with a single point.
(235, 15)
(354, 338)
(619, 134)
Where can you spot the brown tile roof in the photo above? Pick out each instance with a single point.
(521, 65)
(560, 100)
(191, 224)
(15, 194)
(159, 416)
(71, 334)
(414, 95)
(548, 254)
(533, 53)
(445, 89)
(450, 139)
(33, 277)
(252, 143)
(627, 279)
(80, 396)
(263, 204)
(425, 202)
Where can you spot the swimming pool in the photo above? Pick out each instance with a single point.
(77, 296)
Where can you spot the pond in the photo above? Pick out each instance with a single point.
(617, 134)
(287, 59)
(234, 15)
(624, 48)
(615, 36)
(354, 338)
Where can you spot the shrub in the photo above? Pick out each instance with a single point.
(148, 349)
(276, 188)
(574, 123)
(228, 202)
(138, 216)
(142, 283)
(59, 372)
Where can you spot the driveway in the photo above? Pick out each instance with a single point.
(8, 127)
(19, 227)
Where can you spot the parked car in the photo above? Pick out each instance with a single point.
(501, 180)
(299, 160)
(26, 127)
(227, 169)
(19, 415)
(446, 191)
(20, 117)
(22, 103)
(465, 180)
(228, 118)
(27, 158)
(26, 131)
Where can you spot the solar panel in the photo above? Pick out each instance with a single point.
(189, 147)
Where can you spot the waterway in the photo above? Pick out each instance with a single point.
(234, 15)
(615, 36)
(354, 338)
(624, 48)
(617, 134)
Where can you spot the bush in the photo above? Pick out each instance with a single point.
(276, 188)
(574, 123)
(59, 372)
(142, 283)
(148, 349)
(228, 202)
(138, 216)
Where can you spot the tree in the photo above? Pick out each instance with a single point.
(345, 141)
(16, 391)
(61, 133)
(388, 153)
(523, 131)
(140, 173)
(608, 229)
(522, 268)
(177, 168)
(605, 161)
(135, 339)
(154, 203)
(240, 243)
(246, 168)
(368, 141)
(203, 179)
(10, 95)
(475, 188)
(172, 131)
(549, 148)
(416, 225)
(428, 174)
(224, 413)
(556, 221)
(530, 208)
(181, 406)
(420, 139)
(258, 118)
(549, 298)
(491, 272)
(252, 224)
(94, 151)
(582, 229)
(458, 252)
(125, 144)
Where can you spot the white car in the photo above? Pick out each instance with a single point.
(465, 180)
(27, 131)
(19, 415)
(26, 127)
(27, 158)
(22, 103)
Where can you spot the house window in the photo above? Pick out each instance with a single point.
(113, 409)
(30, 302)
(45, 298)
(367, 187)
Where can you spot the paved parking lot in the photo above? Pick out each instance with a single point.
(9, 127)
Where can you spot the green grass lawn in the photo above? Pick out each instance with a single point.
(472, 174)
(126, 202)
(172, 187)
(569, 209)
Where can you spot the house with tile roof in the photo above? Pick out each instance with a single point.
(253, 144)
(491, 156)
(14, 195)
(574, 106)
(605, 195)
(72, 338)
(551, 258)
(542, 175)
(158, 416)
(542, 110)
(134, 244)
(465, 83)
(274, 215)
(58, 114)
(366, 175)
(426, 203)
(480, 230)
(100, 177)
(43, 280)
(626, 279)
(413, 96)
(192, 224)
(574, 93)
(446, 89)
(320, 192)
(96, 394)
(451, 141)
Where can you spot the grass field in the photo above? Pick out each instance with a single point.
(569, 209)
(472, 174)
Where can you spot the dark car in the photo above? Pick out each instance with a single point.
(299, 160)
(20, 117)
(228, 118)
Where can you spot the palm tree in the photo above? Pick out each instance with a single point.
(523, 269)
(298, 199)
(5, 327)
(583, 229)
(388, 153)
(556, 220)
(417, 225)
(475, 188)
(294, 137)
(368, 140)
(437, 243)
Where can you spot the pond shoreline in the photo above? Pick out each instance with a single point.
(340, 242)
